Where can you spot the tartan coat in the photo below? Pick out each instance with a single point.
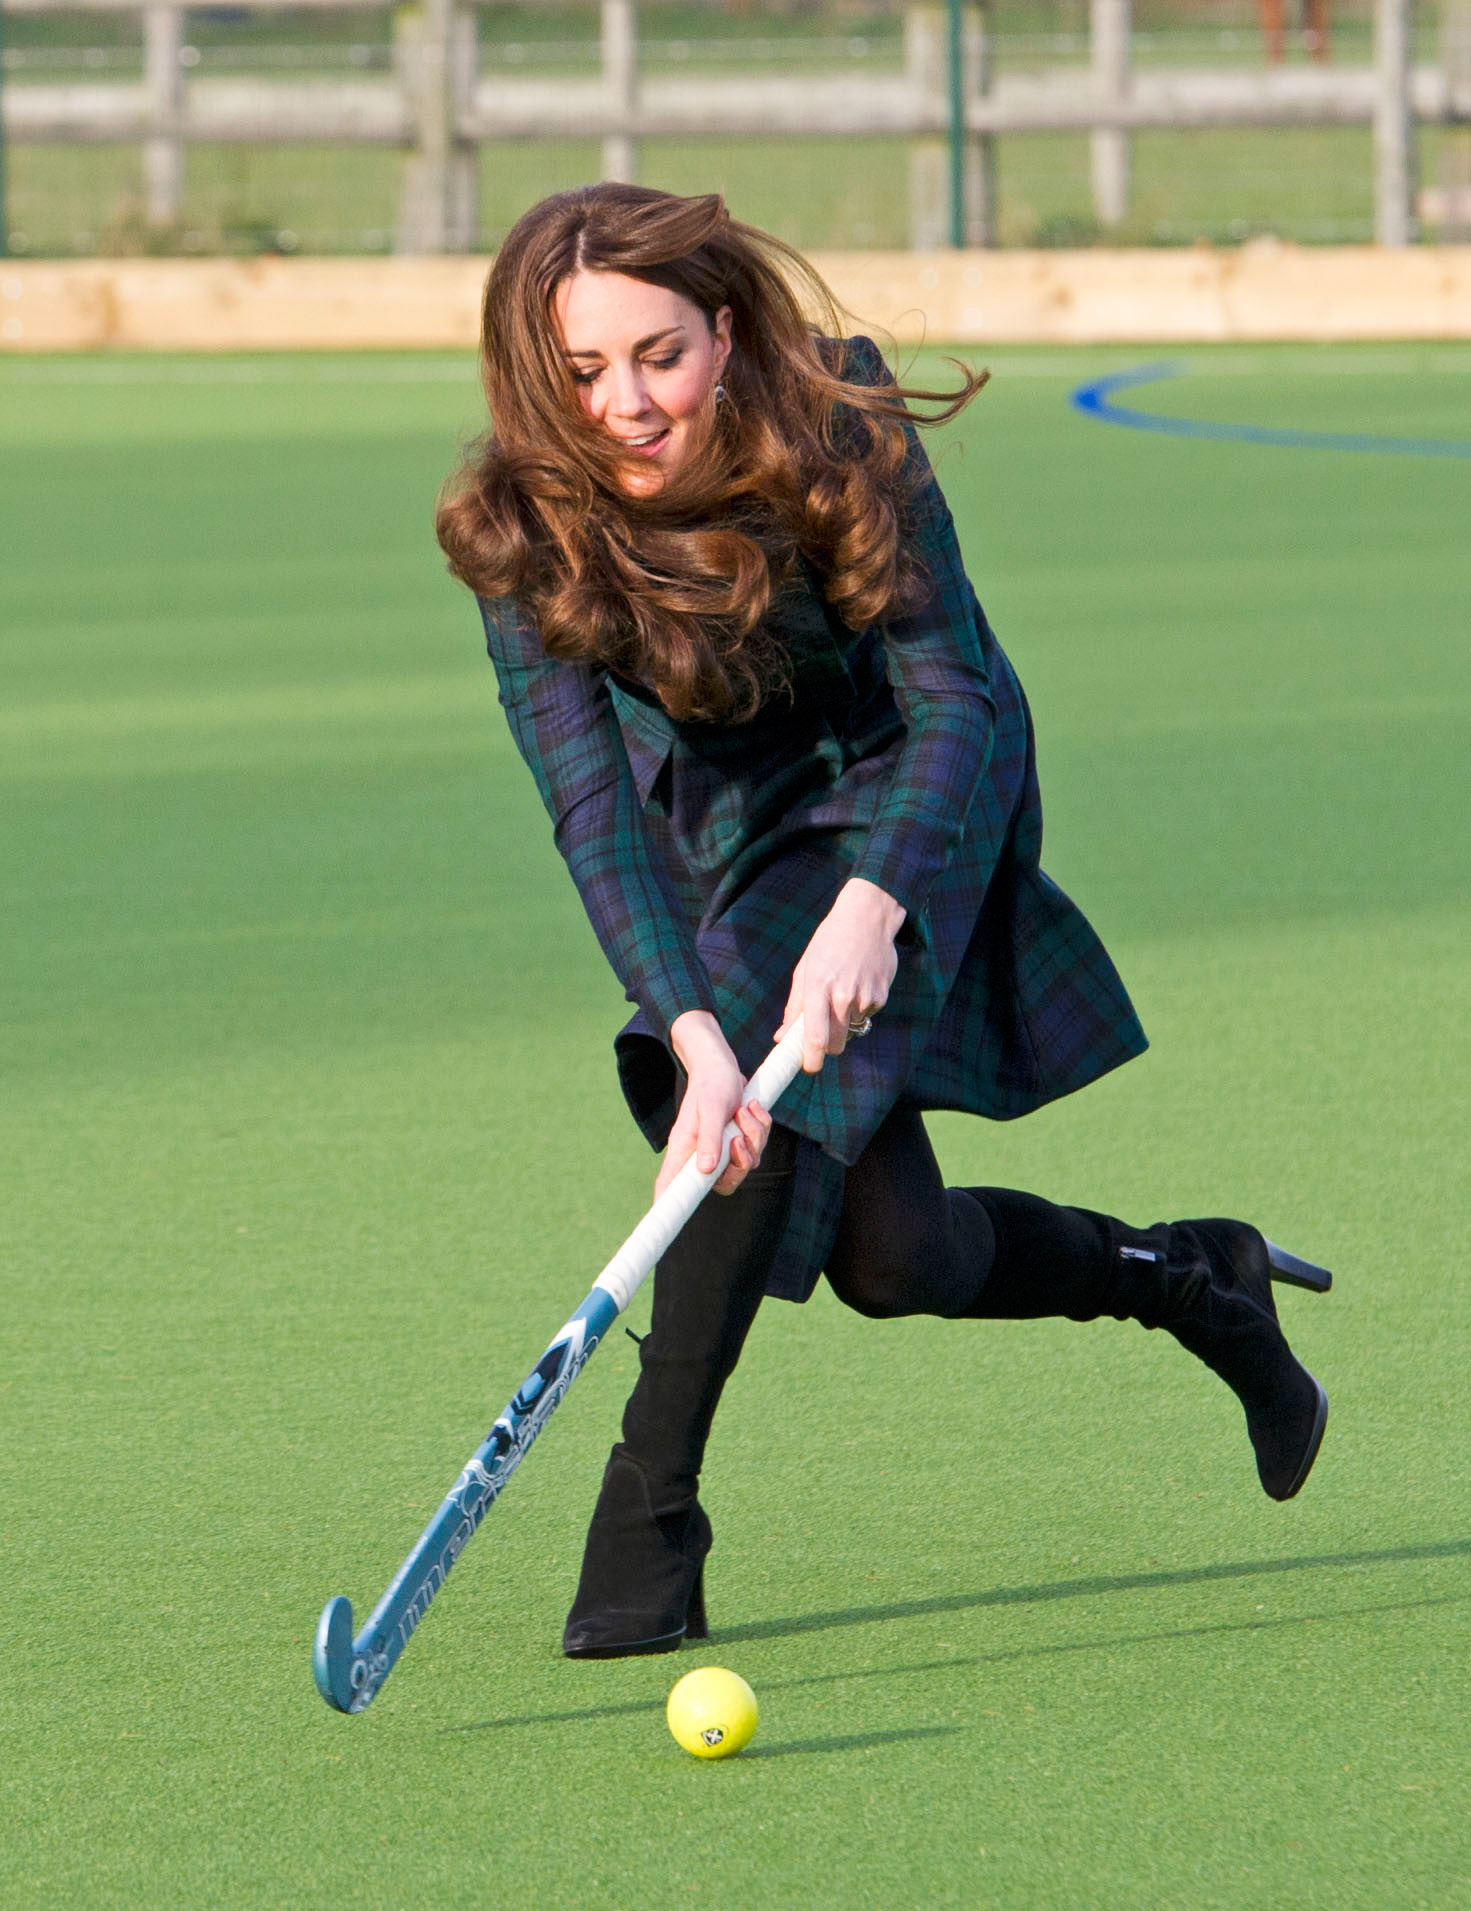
(706, 854)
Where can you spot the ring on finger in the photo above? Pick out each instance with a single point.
(861, 1026)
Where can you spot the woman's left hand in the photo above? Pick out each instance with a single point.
(714, 1095)
(846, 970)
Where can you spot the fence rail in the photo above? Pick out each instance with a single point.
(377, 110)
(437, 106)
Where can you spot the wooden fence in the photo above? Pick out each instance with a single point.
(438, 107)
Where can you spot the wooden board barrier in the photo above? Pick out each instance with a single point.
(1257, 292)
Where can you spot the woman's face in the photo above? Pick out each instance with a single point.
(646, 361)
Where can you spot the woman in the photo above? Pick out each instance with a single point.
(791, 771)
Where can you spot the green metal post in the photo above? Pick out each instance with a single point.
(956, 24)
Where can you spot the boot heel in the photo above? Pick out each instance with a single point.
(695, 1628)
(1297, 1273)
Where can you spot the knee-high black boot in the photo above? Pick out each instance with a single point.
(1207, 1282)
(641, 1589)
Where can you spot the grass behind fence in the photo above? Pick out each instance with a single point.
(1311, 184)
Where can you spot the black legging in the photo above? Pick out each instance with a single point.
(905, 1245)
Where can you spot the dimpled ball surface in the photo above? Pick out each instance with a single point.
(712, 1712)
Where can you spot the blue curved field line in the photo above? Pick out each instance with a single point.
(1096, 400)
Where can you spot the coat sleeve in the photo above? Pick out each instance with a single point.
(562, 719)
(941, 682)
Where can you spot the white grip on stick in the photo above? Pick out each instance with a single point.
(631, 1265)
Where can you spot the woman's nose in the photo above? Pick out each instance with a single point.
(630, 397)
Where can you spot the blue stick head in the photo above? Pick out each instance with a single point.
(333, 1658)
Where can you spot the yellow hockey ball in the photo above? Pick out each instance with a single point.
(712, 1712)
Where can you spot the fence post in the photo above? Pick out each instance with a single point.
(981, 205)
(4, 221)
(1454, 224)
(464, 160)
(1394, 129)
(620, 79)
(929, 179)
(1109, 27)
(163, 85)
(423, 37)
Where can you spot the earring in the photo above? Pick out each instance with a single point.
(720, 394)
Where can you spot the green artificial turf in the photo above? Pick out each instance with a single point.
(310, 1140)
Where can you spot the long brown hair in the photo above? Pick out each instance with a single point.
(672, 590)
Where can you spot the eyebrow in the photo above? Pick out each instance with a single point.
(640, 345)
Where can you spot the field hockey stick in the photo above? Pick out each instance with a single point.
(349, 1672)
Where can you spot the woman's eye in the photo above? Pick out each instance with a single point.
(584, 378)
(665, 364)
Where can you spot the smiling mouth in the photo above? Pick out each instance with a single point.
(650, 443)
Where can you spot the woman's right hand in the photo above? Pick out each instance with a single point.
(714, 1095)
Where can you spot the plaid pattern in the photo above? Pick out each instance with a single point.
(706, 855)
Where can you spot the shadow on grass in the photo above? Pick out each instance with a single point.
(1116, 1640)
(1022, 1595)
(1080, 1589)
(850, 1741)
